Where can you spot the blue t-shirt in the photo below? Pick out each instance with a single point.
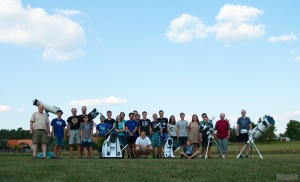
(243, 123)
(59, 126)
(188, 149)
(103, 128)
(131, 125)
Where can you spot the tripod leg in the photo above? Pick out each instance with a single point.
(219, 149)
(207, 148)
(242, 149)
(251, 150)
(257, 150)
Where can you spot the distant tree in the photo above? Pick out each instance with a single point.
(4, 144)
(293, 130)
(14, 134)
(232, 137)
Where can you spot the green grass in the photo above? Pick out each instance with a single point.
(22, 167)
(285, 159)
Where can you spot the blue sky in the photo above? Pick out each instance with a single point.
(179, 56)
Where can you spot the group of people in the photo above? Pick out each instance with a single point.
(142, 135)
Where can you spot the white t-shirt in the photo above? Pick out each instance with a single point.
(39, 120)
(143, 142)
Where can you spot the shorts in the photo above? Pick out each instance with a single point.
(40, 136)
(243, 138)
(143, 151)
(156, 140)
(87, 142)
(74, 137)
(182, 140)
(59, 141)
(131, 139)
(222, 142)
(204, 143)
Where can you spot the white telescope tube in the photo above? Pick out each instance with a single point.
(47, 107)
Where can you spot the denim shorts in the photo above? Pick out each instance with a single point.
(59, 141)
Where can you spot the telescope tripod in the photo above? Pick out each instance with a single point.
(251, 142)
(211, 138)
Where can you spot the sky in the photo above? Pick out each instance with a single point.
(178, 56)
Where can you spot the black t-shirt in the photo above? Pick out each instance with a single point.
(111, 122)
(205, 130)
(153, 124)
(74, 122)
(82, 118)
(164, 123)
(144, 126)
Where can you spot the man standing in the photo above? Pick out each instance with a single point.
(145, 124)
(181, 131)
(58, 133)
(143, 145)
(109, 120)
(223, 132)
(156, 136)
(40, 128)
(74, 123)
(242, 128)
(131, 126)
(164, 123)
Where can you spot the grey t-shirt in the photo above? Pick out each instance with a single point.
(86, 130)
(172, 129)
(182, 125)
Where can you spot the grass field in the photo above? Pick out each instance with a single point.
(21, 167)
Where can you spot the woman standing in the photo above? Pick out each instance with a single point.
(172, 127)
(120, 129)
(193, 129)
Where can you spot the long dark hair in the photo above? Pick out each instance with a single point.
(198, 122)
(170, 121)
(117, 123)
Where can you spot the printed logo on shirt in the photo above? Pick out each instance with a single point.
(144, 123)
(74, 120)
(58, 122)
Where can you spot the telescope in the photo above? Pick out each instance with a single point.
(259, 130)
(47, 107)
(113, 145)
(262, 127)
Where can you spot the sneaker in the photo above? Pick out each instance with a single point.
(128, 157)
(181, 157)
(34, 157)
(157, 157)
(241, 156)
(71, 157)
(153, 156)
(246, 155)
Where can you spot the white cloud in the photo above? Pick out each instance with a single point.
(297, 59)
(68, 12)
(234, 24)
(4, 108)
(186, 28)
(284, 38)
(94, 102)
(60, 37)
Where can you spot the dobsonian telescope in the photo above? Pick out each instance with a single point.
(48, 108)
